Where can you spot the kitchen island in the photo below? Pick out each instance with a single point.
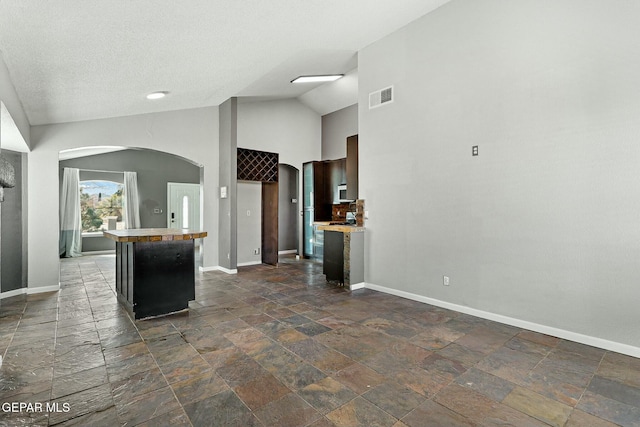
(155, 269)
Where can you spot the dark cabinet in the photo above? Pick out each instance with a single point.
(316, 191)
(333, 262)
(156, 277)
(352, 167)
(344, 257)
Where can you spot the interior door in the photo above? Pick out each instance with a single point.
(183, 210)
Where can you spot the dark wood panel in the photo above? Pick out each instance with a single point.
(322, 200)
(352, 167)
(270, 223)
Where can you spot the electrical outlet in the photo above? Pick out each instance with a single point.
(445, 280)
(256, 251)
(474, 150)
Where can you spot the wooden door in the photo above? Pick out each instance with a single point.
(270, 223)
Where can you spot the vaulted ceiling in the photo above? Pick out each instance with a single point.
(73, 60)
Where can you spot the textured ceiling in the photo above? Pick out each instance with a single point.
(84, 59)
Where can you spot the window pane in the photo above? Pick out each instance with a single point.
(100, 205)
(185, 212)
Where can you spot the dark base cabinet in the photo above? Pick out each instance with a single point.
(344, 255)
(333, 262)
(155, 278)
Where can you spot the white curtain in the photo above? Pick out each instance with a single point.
(131, 201)
(70, 244)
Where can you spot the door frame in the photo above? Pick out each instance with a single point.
(199, 200)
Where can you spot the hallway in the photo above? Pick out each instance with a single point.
(281, 347)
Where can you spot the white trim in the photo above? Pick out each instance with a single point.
(536, 327)
(12, 293)
(43, 289)
(245, 264)
(218, 268)
(29, 291)
(288, 251)
(228, 271)
(356, 286)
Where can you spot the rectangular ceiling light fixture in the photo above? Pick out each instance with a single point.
(317, 79)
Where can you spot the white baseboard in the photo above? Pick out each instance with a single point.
(29, 291)
(12, 293)
(288, 251)
(536, 327)
(244, 264)
(42, 289)
(355, 286)
(218, 268)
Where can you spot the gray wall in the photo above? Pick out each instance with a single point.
(286, 127)
(249, 222)
(288, 212)
(12, 224)
(154, 168)
(336, 127)
(542, 226)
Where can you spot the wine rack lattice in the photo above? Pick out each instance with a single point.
(256, 165)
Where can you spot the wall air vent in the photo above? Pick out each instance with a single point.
(381, 97)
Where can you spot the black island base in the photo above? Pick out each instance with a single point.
(155, 277)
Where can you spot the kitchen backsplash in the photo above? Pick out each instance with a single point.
(339, 212)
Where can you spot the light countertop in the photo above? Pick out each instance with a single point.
(153, 234)
(340, 228)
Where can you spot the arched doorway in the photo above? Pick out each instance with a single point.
(288, 209)
(155, 169)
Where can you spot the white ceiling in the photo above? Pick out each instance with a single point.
(73, 60)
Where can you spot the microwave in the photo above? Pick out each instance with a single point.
(342, 194)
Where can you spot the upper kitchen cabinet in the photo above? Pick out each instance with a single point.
(317, 197)
(335, 172)
(352, 167)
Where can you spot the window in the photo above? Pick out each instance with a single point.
(101, 206)
(185, 212)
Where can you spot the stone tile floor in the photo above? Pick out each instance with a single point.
(281, 347)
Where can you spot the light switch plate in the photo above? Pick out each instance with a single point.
(223, 192)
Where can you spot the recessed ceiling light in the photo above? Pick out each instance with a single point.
(316, 79)
(157, 95)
